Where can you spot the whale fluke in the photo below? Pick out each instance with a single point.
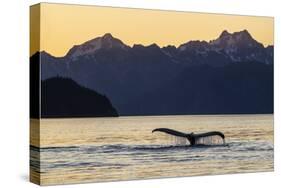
(191, 137)
(171, 132)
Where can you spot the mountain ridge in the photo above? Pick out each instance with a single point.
(109, 36)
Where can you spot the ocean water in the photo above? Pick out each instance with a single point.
(124, 148)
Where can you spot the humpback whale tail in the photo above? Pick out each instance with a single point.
(213, 137)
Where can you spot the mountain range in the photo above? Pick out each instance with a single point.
(232, 74)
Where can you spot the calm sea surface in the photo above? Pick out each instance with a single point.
(108, 149)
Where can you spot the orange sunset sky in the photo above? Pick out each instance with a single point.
(62, 26)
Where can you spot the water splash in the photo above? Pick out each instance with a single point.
(210, 140)
(180, 141)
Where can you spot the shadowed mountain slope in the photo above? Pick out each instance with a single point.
(62, 97)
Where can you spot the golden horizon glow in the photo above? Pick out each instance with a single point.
(63, 26)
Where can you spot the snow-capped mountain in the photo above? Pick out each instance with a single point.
(108, 51)
(107, 41)
(241, 46)
(228, 47)
(235, 47)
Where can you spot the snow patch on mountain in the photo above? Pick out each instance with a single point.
(91, 47)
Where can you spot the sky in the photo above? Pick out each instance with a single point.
(63, 26)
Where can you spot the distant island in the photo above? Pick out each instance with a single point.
(232, 74)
